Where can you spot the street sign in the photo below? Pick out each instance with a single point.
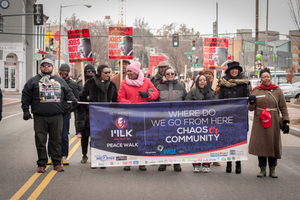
(37, 56)
(197, 65)
(188, 53)
(259, 42)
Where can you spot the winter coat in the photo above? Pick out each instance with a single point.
(197, 93)
(171, 91)
(75, 90)
(266, 142)
(241, 89)
(44, 100)
(130, 94)
(156, 80)
(116, 79)
(106, 92)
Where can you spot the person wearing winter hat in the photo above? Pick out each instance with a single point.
(117, 78)
(232, 85)
(265, 140)
(170, 89)
(97, 89)
(136, 89)
(208, 73)
(160, 73)
(64, 71)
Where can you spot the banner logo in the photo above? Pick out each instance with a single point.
(121, 122)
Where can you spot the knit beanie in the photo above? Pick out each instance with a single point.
(134, 67)
(64, 66)
(89, 66)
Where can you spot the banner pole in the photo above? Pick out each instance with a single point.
(83, 73)
(121, 71)
(214, 84)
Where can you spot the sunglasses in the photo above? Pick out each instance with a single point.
(46, 65)
(90, 71)
(170, 74)
(106, 72)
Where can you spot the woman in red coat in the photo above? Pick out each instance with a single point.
(136, 89)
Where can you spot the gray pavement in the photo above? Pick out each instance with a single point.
(79, 181)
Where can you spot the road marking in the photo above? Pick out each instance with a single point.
(46, 180)
(12, 115)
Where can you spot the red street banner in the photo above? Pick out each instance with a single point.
(120, 45)
(215, 53)
(80, 48)
(153, 62)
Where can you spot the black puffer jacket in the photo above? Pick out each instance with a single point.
(197, 93)
(171, 91)
(106, 92)
(240, 90)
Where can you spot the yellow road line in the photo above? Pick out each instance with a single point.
(33, 178)
(74, 149)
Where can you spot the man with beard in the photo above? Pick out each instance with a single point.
(45, 94)
(160, 73)
(68, 108)
(116, 78)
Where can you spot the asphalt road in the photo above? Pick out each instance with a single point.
(18, 179)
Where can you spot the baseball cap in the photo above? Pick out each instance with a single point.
(47, 60)
(265, 118)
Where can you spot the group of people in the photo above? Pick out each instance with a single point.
(265, 141)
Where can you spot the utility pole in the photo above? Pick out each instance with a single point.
(266, 40)
(217, 19)
(256, 32)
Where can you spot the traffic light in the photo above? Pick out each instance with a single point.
(51, 43)
(193, 45)
(1, 24)
(196, 59)
(39, 15)
(175, 40)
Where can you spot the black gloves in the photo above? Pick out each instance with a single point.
(286, 127)
(252, 99)
(26, 115)
(144, 94)
(74, 102)
(205, 90)
(0, 116)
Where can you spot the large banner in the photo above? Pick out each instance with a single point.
(168, 132)
(215, 53)
(80, 48)
(153, 62)
(120, 45)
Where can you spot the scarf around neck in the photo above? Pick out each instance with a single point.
(102, 87)
(138, 82)
(159, 75)
(270, 87)
(45, 80)
(231, 82)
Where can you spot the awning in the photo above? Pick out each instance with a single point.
(42, 52)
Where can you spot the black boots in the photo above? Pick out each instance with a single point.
(238, 168)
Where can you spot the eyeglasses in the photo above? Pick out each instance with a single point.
(46, 65)
(106, 72)
(65, 70)
(90, 71)
(170, 74)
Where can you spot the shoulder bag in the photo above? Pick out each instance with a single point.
(280, 117)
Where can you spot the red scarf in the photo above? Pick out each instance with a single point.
(270, 87)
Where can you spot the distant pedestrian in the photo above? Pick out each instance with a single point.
(68, 108)
(97, 89)
(265, 140)
(158, 77)
(1, 103)
(170, 90)
(45, 94)
(136, 89)
(232, 85)
(202, 91)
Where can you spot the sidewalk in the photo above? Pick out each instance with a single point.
(13, 99)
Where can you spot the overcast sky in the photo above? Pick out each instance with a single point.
(197, 14)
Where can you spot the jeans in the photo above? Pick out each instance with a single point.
(262, 161)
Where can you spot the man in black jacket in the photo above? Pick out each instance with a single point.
(45, 94)
(68, 108)
(160, 73)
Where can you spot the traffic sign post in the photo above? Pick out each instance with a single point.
(197, 65)
(259, 42)
(186, 53)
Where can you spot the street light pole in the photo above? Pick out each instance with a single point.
(61, 6)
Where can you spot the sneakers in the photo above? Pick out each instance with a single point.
(59, 168)
(196, 169)
(79, 135)
(49, 162)
(64, 161)
(40, 169)
(162, 167)
(84, 159)
(177, 168)
(206, 169)
(126, 168)
(142, 168)
(216, 164)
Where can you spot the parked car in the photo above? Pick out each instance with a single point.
(254, 83)
(290, 86)
(292, 93)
